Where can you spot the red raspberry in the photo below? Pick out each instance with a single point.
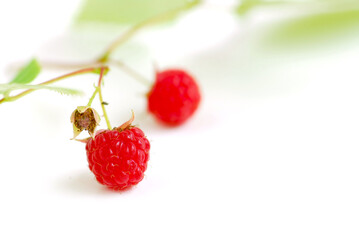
(118, 158)
(174, 97)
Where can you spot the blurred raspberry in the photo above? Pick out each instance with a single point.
(174, 97)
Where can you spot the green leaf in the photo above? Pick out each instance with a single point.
(7, 88)
(127, 11)
(28, 73)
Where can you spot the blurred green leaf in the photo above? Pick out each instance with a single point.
(7, 88)
(28, 73)
(125, 11)
(247, 5)
(318, 27)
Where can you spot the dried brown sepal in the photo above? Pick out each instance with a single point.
(85, 140)
(128, 124)
(84, 118)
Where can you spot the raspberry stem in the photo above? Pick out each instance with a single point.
(99, 90)
(132, 31)
(62, 77)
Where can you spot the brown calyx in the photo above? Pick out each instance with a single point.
(85, 120)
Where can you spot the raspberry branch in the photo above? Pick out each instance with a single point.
(97, 64)
(104, 58)
(51, 81)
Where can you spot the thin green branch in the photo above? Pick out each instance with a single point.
(101, 99)
(143, 80)
(132, 31)
(51, 81)
(92, 97)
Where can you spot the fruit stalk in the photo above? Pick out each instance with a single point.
(134, 74)
(101, 99)
(92, 97)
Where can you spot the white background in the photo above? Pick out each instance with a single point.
(272, 152)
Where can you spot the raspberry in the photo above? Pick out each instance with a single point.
(118, 158)
(174, 97)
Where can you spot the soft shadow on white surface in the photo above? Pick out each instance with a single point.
(80, 183)
(84, 183)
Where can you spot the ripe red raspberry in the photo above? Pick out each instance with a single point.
(118, 158)
(174, 97)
